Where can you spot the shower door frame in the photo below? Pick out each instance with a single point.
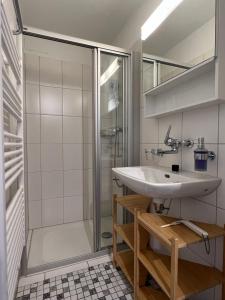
(96, 48)
(97, 127)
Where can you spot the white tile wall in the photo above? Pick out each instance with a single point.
(50, 71)
(58, 95)
(72, 102)
(34, 186)
(51, 100)
(73, 208)
(52, 211)
(87, 104)
(32, 93)
(34, 157)
(35, 214)
(51, 157)
(72, 130)
(221, 123)
(32, 68)
(73, 183)
(33, 129)
(73, 156)
(52, 184)
(72, 75)
(209, 123)
(51, 129)
(87, 78)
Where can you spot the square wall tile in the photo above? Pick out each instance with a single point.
(33, 157)
(149, 129)
(72, 102)
(73, 156)
(88, 130)
(73, 209)
(35, 219)
(51, 100)
(52, 211)
(73, 183)
(51, 129)
(32, 68)
(52, 185)
(32, 99)
(201, 123)
(72, 130)
(34, 186)
(87, 104)
(72, 75)
(88, 157)
(221, 174)
(222, 123)
(87, 78)
(33, 127)
(195, 210)
(50, 72)
(51, 157)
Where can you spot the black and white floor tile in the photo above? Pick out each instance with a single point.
(102, 282)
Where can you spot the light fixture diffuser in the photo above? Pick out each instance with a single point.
(158, 16)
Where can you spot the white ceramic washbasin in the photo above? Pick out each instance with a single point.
(159, 182)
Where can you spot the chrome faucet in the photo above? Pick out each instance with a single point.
(171, 142)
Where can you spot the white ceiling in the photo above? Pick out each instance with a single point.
(188, 16)
(95, 20)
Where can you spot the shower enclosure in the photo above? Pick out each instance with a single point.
(76, 131)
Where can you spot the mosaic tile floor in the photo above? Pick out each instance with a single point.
(102, 282)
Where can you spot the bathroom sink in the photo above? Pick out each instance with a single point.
(159, 182)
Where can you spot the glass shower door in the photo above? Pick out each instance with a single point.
(112, 135)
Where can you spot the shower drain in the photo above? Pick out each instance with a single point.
(106, 235)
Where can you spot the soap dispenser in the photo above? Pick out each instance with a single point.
(201, 156)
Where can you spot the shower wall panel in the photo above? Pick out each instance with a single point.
(58, 100)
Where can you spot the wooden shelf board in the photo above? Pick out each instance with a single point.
(184, 235)
(193, 278)
(132, 202)
(148, 293)
(126, 231)
(125, 259)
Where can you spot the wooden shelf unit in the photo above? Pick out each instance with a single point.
(147, 293)
(126, 259)
(184, 236)
(178, 279)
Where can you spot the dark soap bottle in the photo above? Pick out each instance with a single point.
(201, 156)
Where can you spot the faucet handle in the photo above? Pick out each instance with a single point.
(167, 137)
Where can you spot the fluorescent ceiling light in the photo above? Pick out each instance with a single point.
(158, 16)
(110, 71)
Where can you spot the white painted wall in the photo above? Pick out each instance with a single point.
(196, 47)
(131, 32)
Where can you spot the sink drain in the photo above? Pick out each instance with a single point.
(106, 235)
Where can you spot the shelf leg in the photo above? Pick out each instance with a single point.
(136, 268)
(223, 284)
(141, 240)
(114, 219)
(174, 268)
